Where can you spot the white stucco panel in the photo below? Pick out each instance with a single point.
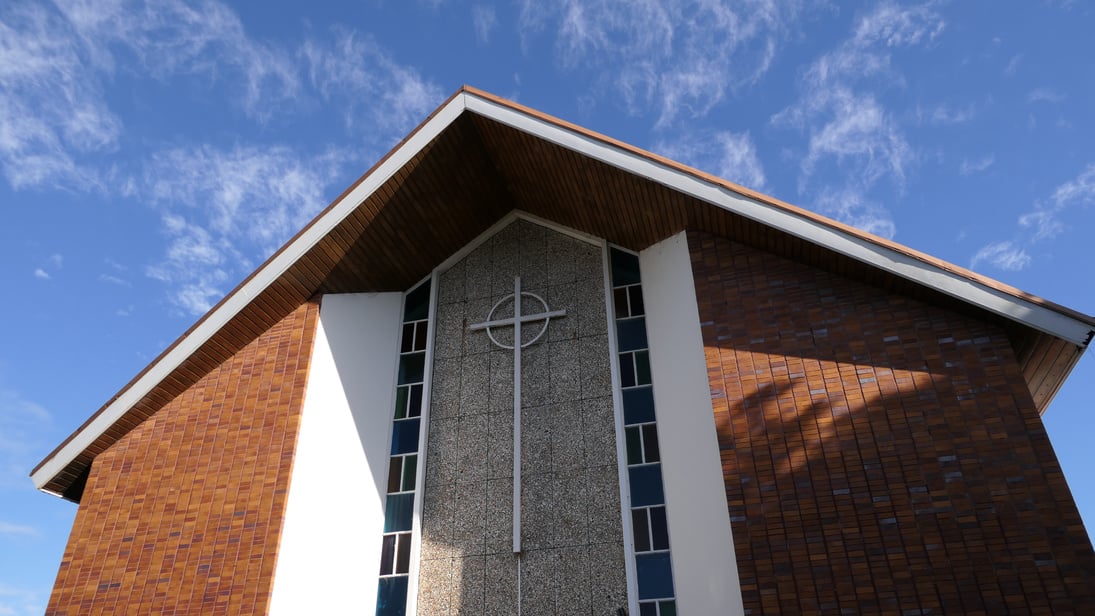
(705, 570)
(329, 556)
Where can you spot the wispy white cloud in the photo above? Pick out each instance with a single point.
(977, 165)
(1045, 95)
(374, 91)
(22, 421)
(114, 280)
(51, 263)
(51, 108)
(1046, 220)
(483, 19)
(1013, 64)
(224, 209)
(850, 204)
(674, 58)
(1005, 255)
(729, 155)
(176, 37)
(850, 130)
(9, 528)
(56, 127)
(949, 114)
(17, 601)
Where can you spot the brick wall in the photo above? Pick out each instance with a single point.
(881, 456)
(183, 514)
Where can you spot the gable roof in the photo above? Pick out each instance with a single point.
(478, 157)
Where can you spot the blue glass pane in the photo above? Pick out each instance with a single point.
(631, 334)
(648, 609)
(638, 405)
(411, 368)
(417, 306)
(646, 485)
(405, 436)
(655, 576)
(625, 268)
(391, 596)
(399, 512)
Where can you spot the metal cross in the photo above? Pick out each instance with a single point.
(516, 321)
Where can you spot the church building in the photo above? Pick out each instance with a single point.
(523, 368)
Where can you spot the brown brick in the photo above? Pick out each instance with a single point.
(881, 455)
(183, 514)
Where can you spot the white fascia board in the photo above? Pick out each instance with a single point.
(243, 296)
(1017, 309)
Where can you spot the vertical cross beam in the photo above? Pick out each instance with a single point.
(517, 414)
(516, 322)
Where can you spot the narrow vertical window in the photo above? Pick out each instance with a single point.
(644, 470)
(395, 552)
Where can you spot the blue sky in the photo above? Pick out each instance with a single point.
(152, 153)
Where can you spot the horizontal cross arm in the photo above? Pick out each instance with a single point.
(525, 318)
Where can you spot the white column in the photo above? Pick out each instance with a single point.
(705, 570)
(329, 555)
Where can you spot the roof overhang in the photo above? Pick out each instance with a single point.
(478, 157)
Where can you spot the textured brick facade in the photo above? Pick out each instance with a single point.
(881, 455)
(183, 514)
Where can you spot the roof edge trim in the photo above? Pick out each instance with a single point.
(788, 219)
(239, 298)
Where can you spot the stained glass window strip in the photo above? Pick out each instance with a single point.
(649, 526)
(395, 552)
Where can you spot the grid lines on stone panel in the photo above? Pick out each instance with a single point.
(649, 526)
(395, 552)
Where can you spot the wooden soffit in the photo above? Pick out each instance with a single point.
(476, 159)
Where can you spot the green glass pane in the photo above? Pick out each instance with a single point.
(410, 470)
(400, 402)
(642, 368)
(667, 608)
(417, 306)
(411, 368)
(634, 446)
(625, 268)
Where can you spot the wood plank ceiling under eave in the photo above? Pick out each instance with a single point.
(455, 186)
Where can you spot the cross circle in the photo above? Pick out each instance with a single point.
(544, 315)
